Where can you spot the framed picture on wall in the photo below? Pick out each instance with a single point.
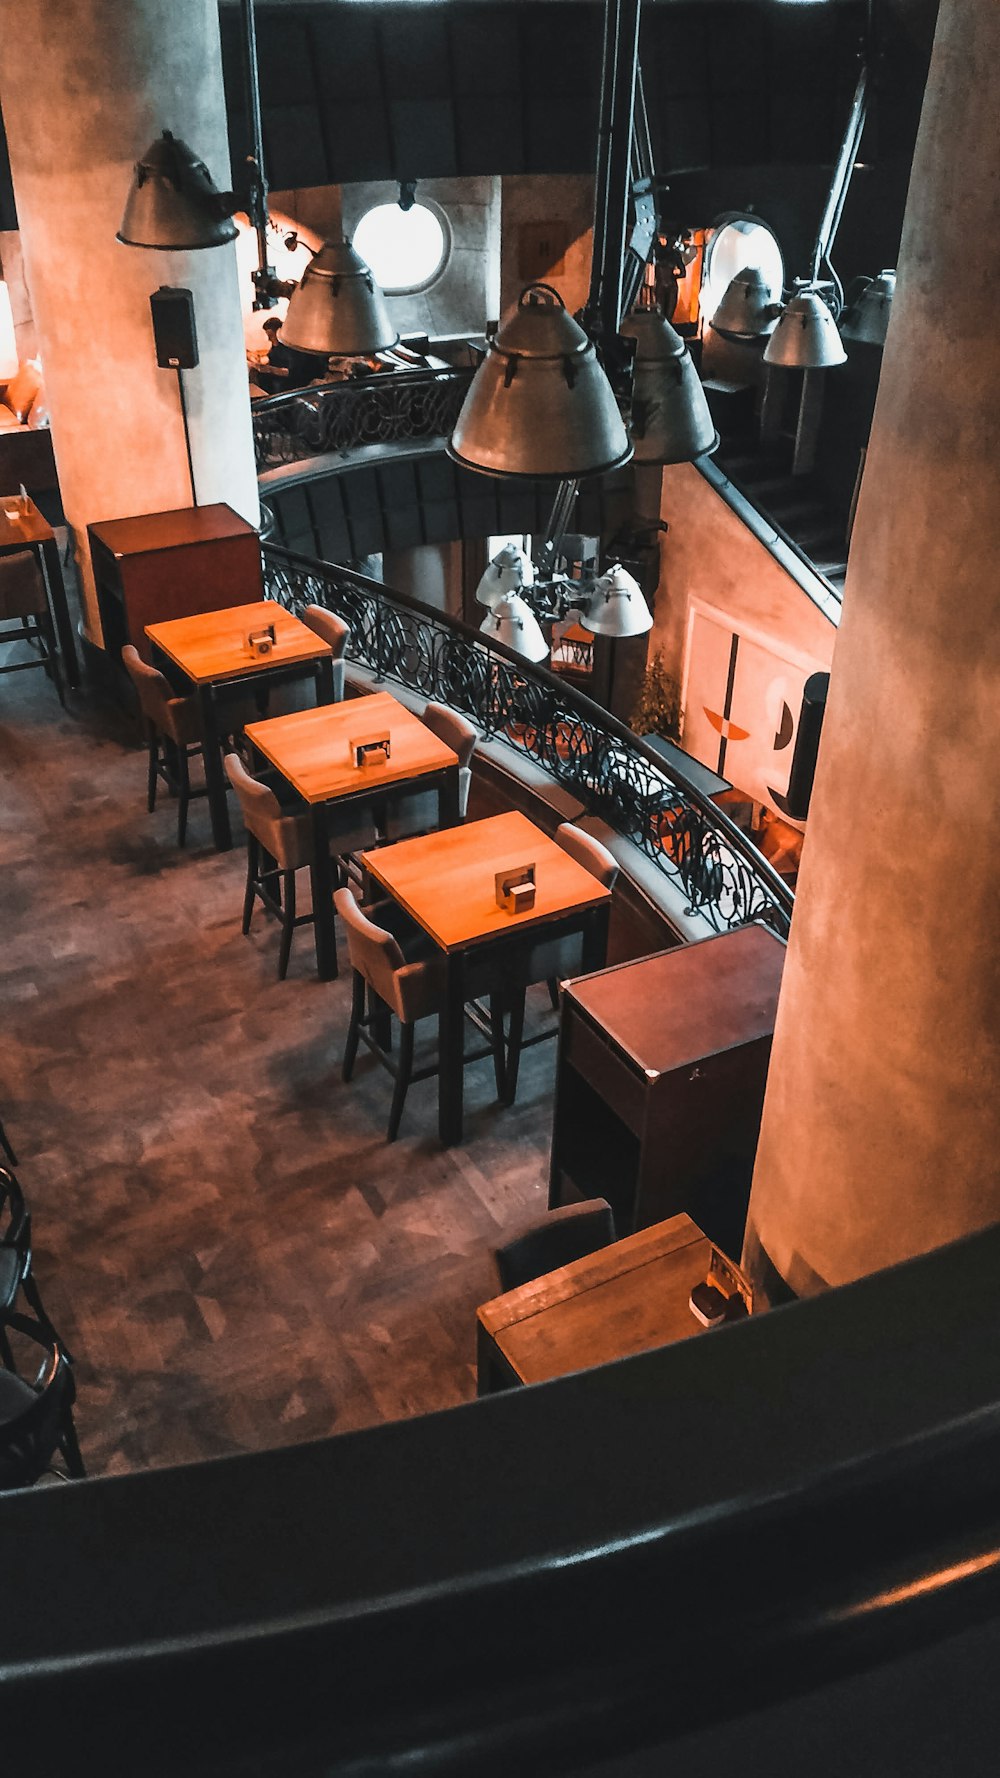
(742, 695)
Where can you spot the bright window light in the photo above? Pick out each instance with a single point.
(739, 244)
(405, 249)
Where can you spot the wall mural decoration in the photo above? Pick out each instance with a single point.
(742, 694)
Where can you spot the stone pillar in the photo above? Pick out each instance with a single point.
(85, 87)
(881, 1125)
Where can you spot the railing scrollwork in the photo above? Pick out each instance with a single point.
(610, 769)
(388, 408)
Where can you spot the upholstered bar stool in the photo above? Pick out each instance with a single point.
(334, 630)
(23, 600)
(36, 1418)
(552, 958)
(279, 843)
(419, 813)
(173, 735)
(406, 974)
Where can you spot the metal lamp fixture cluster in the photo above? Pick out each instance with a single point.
(509, 571)
(617, 607)
(805, 337)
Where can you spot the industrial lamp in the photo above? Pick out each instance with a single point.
(865, 320)
(514, 623)
(540, 404)
(337, 309)
(172, 202)
(806, 336)
(748, 310)
(617, 608)
(671, 422)
(508, 572)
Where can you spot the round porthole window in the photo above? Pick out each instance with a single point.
(405, 249)
(739, 243)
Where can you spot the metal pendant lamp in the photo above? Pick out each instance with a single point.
(509, 571)
(512, 621)
(540, 404)
(671, 422)
(806, 336)
(866, 319)
(337, 310)
(748, 310)
(172, 202)
(617, 607)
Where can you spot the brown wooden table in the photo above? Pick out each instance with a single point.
(446, 882)
(210, 651)
(312, 751)
(31, 531)
(629, 1297)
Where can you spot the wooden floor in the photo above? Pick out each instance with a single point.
(234, 1254)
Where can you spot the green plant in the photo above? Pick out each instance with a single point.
(657, 709)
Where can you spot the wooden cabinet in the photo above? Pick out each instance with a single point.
(660, 1082)
(171, 564)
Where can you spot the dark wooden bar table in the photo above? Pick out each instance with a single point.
(210, 651)
(30, 530)
(312, 749)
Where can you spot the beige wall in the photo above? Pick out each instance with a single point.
(467, 293)
(709, 559)
(13, 275)
(566, 201)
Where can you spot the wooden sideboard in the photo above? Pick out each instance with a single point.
(660, 1082)
(161, 565)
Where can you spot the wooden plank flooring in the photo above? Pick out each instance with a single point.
(233, 1252)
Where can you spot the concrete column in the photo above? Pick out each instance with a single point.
(881, 1125)
(85, 87)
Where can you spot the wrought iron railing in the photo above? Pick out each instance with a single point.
(391, 407)
(608, 768)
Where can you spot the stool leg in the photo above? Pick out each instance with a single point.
(354, 1028)
(496, 1034)
(183, 794)
(152, 744)
(69, 1445)
(287, 921)
(405, 1069)
(253, 866)
(515, 1032)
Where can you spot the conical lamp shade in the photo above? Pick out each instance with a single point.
(748, 309)
(173, 203)
(671, 422)
(508, 572)
(337, 308)
(806, 336)
(867, 319)
(617, 607)
(514, 623)
(540, 404)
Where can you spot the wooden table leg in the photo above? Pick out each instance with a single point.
(321, 877)
(324, 681)
(52, 570)
(595, 938)
(449, 814)
(215, 777)
(451, 1052)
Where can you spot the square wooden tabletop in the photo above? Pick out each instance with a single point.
(446, 880)
(212, 645)
(313, 748)
(28, 527)
(629, 1297)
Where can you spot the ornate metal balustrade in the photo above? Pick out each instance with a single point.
(608, 768)
(388, 408)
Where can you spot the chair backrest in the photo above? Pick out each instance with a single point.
(453, 730)
(374, 953)
(588, 852)
(153, 689)
(564, 1235)
(257, 801)
(327, 624)
(22, 589)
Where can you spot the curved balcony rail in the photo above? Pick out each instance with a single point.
(391, 408)
(608, 768)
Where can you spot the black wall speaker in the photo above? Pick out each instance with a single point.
(800, 779)
(173, 328)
